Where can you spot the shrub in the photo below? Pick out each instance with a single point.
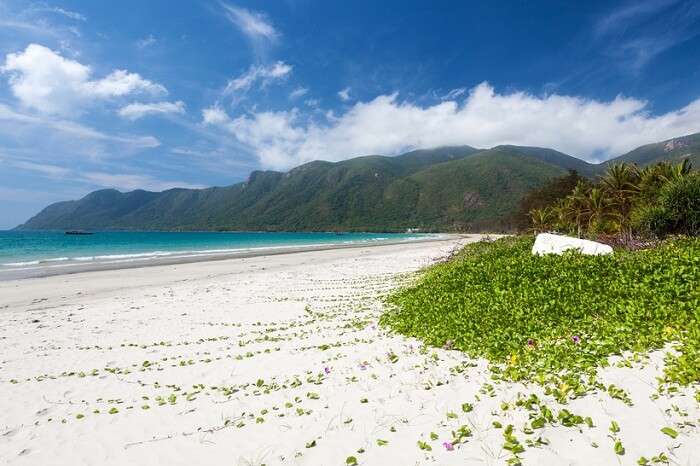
(650, 219)
(676, 210)
(681, 201)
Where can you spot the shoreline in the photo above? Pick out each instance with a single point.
(49, 270)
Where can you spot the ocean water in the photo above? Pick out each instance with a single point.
(28, 250)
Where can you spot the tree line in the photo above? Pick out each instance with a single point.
(627, 201)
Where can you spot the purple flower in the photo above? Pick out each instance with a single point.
(448, 446)
(327, 370)
(576, 339)
(530, 342)
(363, 366)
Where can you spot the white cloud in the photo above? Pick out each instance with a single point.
(253, 24)
(95, 178)
(272, 135)
(590, 129)
(52, 171)
(139, 110)
(636, 32)
(32, 22)
(14, 122)
(101, 179)
(344, 94)
(619, 18)
(46, 81)
(256, 27)
(60, 11)
(146, 42)
(265, 74)
(298, 92)
(214, 116)
(121, 82)
(454, 93)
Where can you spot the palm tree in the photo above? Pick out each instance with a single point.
(652, 177)
(621, 185)
(598, 208)
(576, 206)
(541, 219)
(610, 206)
(669, 172)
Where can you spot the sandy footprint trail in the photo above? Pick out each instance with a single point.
(279, 360)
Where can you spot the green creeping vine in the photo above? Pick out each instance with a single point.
(556, 319)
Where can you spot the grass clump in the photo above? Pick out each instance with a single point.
(558, 318)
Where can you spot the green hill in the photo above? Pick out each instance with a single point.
(449, 188)
(674, 150)
(557, 158)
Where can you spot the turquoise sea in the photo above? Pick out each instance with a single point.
(28, 250)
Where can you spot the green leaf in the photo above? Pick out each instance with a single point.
(670, 432)
(619, 449)
(614, 427)
(538, 423)
(424, 446)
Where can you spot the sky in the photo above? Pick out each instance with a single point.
(161, 94)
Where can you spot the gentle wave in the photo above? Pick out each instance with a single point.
(184, 254)
(37, 262)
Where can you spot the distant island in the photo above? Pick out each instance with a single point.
(458, 188)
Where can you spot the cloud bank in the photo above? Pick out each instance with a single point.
(590, 129)
(43, 80)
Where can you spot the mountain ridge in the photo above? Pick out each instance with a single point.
(451, 188)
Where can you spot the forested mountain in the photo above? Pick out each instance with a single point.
(673, 150)
(448, 188)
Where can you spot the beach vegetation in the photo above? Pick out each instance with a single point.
(670, 432)
(424, 445)
(555, 320)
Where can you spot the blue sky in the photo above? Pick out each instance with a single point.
(158, 94)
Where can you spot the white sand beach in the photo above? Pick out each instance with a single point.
(279, 360)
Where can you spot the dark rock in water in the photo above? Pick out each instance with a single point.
(78, 232)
